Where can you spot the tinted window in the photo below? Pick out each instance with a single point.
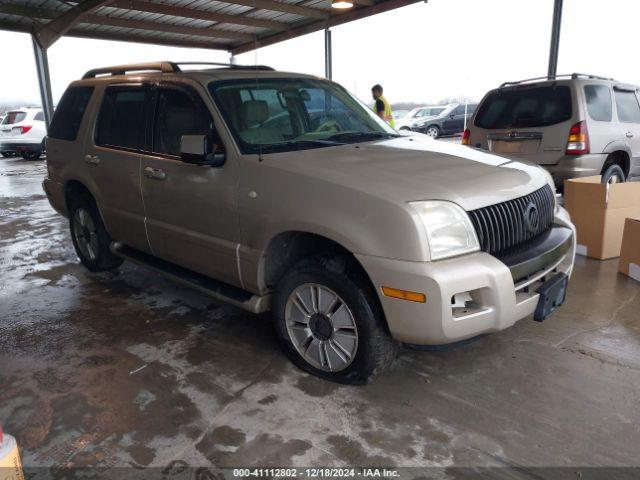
(599, 103)
(39, 116)
(459, 110)
(68, 116)
(531, 107)
(179, 113)
(627, 105)
(121, 122)
(14, 117)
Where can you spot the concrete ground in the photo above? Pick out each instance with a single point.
(129, 369)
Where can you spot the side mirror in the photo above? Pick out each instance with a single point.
(195, 149)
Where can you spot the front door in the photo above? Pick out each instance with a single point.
(112, 162)
(192, 216)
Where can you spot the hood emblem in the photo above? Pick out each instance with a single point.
(532, 217)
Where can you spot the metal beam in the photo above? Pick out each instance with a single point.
(149, 40)
(164, 9)
(555, 39)
(52, 31)
(315, 26)
(44, 81)
(328, 60)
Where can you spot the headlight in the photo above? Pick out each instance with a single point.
(448, 228)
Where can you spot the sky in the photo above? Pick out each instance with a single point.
(421, 53)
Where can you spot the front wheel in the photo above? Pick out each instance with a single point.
(330, 323)
(613, 174)
(89, 236)
(433, 131)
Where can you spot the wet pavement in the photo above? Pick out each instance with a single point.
(129, 369)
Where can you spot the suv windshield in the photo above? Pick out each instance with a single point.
(530, 107)
(279, 115)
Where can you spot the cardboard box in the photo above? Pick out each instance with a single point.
(599, 212)
(630, 253)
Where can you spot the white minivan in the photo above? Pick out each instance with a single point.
(573, 125)
(22, 133)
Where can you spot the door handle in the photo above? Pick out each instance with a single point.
(92, 159)
(629, 135)
(154, 173)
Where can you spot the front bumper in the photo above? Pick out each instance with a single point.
(498, 300)
(574, 166)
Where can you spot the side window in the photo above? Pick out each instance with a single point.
(121, 121)
(68, 116)
(627, 105)
(599, 105)
(39, 117)
(459, 110)
(179, 112)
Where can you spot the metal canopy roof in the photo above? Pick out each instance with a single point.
(236, 26)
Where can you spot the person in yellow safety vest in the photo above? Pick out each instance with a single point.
(382, 107)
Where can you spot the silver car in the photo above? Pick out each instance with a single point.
(574, 126)
(282, 192)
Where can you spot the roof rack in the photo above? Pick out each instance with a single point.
(566, 75)
(164, 67)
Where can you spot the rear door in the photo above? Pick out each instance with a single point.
(628, 110)
(454, 122)
(192, 212)
(112, 161)
(528, 121)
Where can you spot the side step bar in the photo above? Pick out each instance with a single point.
(218, 290)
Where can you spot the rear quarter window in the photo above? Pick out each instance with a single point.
(68, 116)
(599, 104)
(524, 108)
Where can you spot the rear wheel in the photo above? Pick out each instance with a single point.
(7, 154)
(613, 174)
(30, 155)
(433, 131)
(90, 239)
(330, 323)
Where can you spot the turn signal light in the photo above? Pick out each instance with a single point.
(578, 142)
(404, 295)
(25, 129)
(465, 137)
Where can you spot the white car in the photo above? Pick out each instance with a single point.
(22, 132)
(417, 114)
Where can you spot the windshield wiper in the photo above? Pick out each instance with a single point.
(362, 136)
(300, 143)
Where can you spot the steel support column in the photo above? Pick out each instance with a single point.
(328, 67)
(44, 81)
(555, 39)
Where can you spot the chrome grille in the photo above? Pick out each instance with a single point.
(505, 225)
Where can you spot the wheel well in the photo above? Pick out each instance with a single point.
(74, 189)
(288, 248)
(619, 157)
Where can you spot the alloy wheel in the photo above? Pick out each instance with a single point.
(321, 327)
(85, 234)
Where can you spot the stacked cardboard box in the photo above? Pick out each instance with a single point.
(630, 253)
(599, 212)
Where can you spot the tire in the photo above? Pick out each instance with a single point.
(432, 131)
(90, 239)
(352, 334)
(31, 155)
(613, 174)
(7, 154)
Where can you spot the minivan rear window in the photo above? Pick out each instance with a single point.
(14, 117)
(68, 116)
(523, 108)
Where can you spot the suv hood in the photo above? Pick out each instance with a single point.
(418, 168)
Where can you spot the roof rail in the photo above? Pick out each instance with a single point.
(565, 75)
(164, 67)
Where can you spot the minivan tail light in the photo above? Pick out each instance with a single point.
(578, 142)
(24, 129)
(465, 137)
